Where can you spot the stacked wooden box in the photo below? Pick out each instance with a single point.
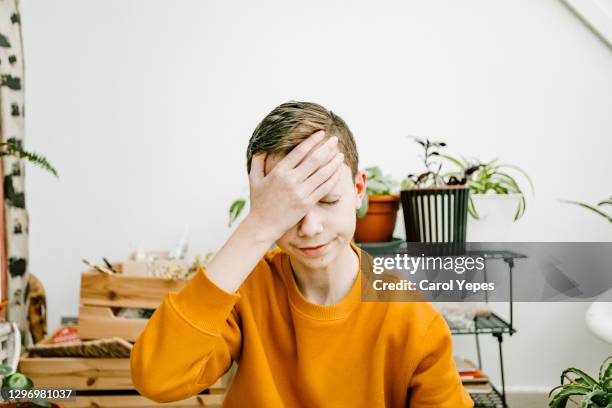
(106, 382)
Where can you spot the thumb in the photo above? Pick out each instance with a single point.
(257, 166)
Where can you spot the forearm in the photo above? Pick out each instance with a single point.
(168, 357)
(188, 343)
(239, 255)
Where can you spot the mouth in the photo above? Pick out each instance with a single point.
(314, 250)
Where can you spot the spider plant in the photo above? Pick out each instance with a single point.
(597, 209)
(486, 177)
(595, 393)
(377, 184)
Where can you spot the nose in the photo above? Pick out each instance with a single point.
(311, 225)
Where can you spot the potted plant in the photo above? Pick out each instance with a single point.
(496, 198)
(18, 381)
(378, 212)
(594, 392)
(435, 205)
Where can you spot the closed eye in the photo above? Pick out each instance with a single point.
(330, 202)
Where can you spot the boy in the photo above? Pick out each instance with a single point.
(292, 317)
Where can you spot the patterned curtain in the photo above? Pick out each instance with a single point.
(12, 129)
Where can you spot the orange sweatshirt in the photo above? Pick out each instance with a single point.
(293, 353)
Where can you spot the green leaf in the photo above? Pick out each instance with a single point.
(560, 399)
(377, 187)
(520, 210)
(605, 374)
(590, 207)
(523, 172)
(580, 375)
(5, 369)
(477, 187)
(14, 149)
(455, 161)
(597, 396)
(17, 380)
(39, 161)
(472, 209)
(374, 172)
(235, 209)
(503, 177)
(406, 184)
(499, 189)
(378, 184)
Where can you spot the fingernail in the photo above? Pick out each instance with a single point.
(319, 134)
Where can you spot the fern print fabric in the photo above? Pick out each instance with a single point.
(12, 130)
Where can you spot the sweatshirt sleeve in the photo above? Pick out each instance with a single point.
(188, 343)
(435, 381)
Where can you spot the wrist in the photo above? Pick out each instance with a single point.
(260, 233)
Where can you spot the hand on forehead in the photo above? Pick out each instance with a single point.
(272, 159)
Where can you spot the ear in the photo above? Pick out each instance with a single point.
(360, 188)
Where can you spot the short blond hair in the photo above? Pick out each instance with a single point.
(292, 122)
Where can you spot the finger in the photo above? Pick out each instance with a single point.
(296, 155)
(258, 164)
(327, 186)
(323, 173)
(318, 157)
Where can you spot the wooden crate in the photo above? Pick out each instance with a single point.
(137, 401)
(86, 374)
(100, 293)
(101, 378)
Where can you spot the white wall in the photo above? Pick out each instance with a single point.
(145, 107)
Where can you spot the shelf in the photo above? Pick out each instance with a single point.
(492, 324)
(489, 400)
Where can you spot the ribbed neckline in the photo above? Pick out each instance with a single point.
(337, 311)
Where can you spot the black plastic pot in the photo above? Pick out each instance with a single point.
(435, 214)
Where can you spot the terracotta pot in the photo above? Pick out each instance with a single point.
(379, 222)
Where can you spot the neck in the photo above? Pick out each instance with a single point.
(330, 284)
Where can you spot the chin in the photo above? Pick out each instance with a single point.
(317, 261)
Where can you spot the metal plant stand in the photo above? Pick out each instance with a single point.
(493, 324)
